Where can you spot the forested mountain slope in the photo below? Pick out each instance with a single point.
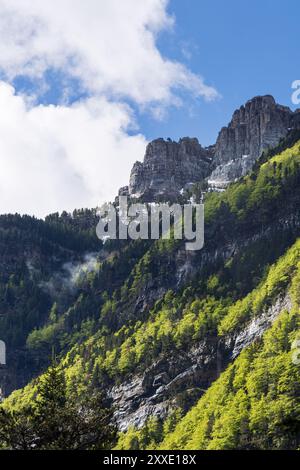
(36, 258)
(254, 404)
(158, 327)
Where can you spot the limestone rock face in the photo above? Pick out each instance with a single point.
(152, 393)
(256, 126)
(259, 124)
(169, 166)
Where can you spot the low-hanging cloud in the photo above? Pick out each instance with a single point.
(63, 156)
(70, 278)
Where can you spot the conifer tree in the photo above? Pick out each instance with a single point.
(57, 420)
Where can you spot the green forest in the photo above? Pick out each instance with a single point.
(78, 328)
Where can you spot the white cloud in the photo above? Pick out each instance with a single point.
(109, 45)
(56, 157)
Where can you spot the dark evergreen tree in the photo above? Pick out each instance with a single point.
(56, 421)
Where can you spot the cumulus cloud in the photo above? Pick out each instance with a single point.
(109, 45)
(64, 156)
(55, 157)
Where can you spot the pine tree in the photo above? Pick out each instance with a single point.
(58, 421)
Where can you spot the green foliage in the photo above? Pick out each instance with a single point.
(55, 420)
(277, 281)
(150, 435)
(257, 194)
(255, 402)
(138, 307)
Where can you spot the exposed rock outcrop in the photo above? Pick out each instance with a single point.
(259, 124)
(2, 381)
(256, 126)
(154, 392)
(169, 166)
(259, 324)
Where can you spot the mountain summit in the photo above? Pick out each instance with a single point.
(170, 166)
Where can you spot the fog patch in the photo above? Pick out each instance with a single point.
(69, 279)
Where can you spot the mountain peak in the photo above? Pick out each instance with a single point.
(169, 166)
(269, 99)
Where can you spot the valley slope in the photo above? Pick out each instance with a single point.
(194, 349)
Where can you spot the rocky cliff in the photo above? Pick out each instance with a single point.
(169, 166)
(255, 127)
(153, 393)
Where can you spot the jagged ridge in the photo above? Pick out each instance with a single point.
(169, 167)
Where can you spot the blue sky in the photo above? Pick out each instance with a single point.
(242, 47)
(80, 99)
